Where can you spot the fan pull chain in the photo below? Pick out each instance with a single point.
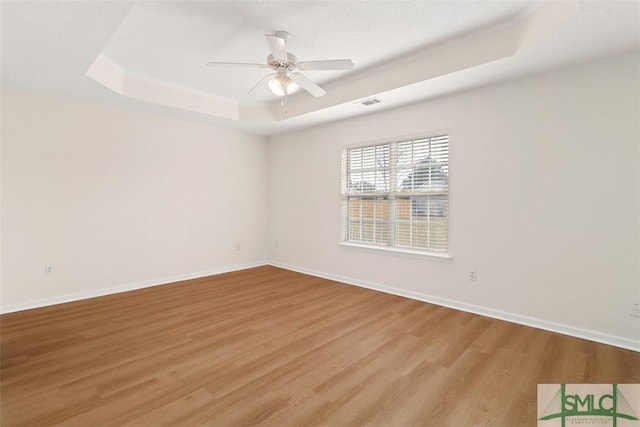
(283, 104)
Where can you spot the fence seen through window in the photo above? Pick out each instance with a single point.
(397, 194)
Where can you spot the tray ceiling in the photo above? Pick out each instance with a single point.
(150, 56)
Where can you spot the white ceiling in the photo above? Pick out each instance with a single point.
(404, 51)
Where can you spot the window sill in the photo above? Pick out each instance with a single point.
(399, 251)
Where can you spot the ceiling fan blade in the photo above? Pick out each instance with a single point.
(278, 47)
(236, 64)
(331, 64)
(305, 83)
(261, 81)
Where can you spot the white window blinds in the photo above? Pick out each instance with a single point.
(397, 194)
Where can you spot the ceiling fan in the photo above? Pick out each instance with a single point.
(287, 77)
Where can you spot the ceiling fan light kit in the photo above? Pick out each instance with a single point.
(287, 78)
(282, 83)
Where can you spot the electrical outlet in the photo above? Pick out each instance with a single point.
(277, 244)
(48, 269)
(635, 310)
(473, 275)
(237, 247)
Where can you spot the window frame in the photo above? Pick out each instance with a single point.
(393, 193)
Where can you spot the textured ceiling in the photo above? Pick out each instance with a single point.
(404, 51)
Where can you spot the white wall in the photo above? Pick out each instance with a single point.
(118, 200)
(544, 201)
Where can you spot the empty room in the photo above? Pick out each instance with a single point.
(320, 213)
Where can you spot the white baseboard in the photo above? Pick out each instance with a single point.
(573, 331)
(122, 288)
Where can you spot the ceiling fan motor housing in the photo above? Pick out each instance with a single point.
(290, 63)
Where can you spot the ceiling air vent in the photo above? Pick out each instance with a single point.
(370, 101)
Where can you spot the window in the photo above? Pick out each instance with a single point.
(396, 195)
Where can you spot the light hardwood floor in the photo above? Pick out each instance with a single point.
(273, 347)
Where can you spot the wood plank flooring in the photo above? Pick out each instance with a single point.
(267, 346)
